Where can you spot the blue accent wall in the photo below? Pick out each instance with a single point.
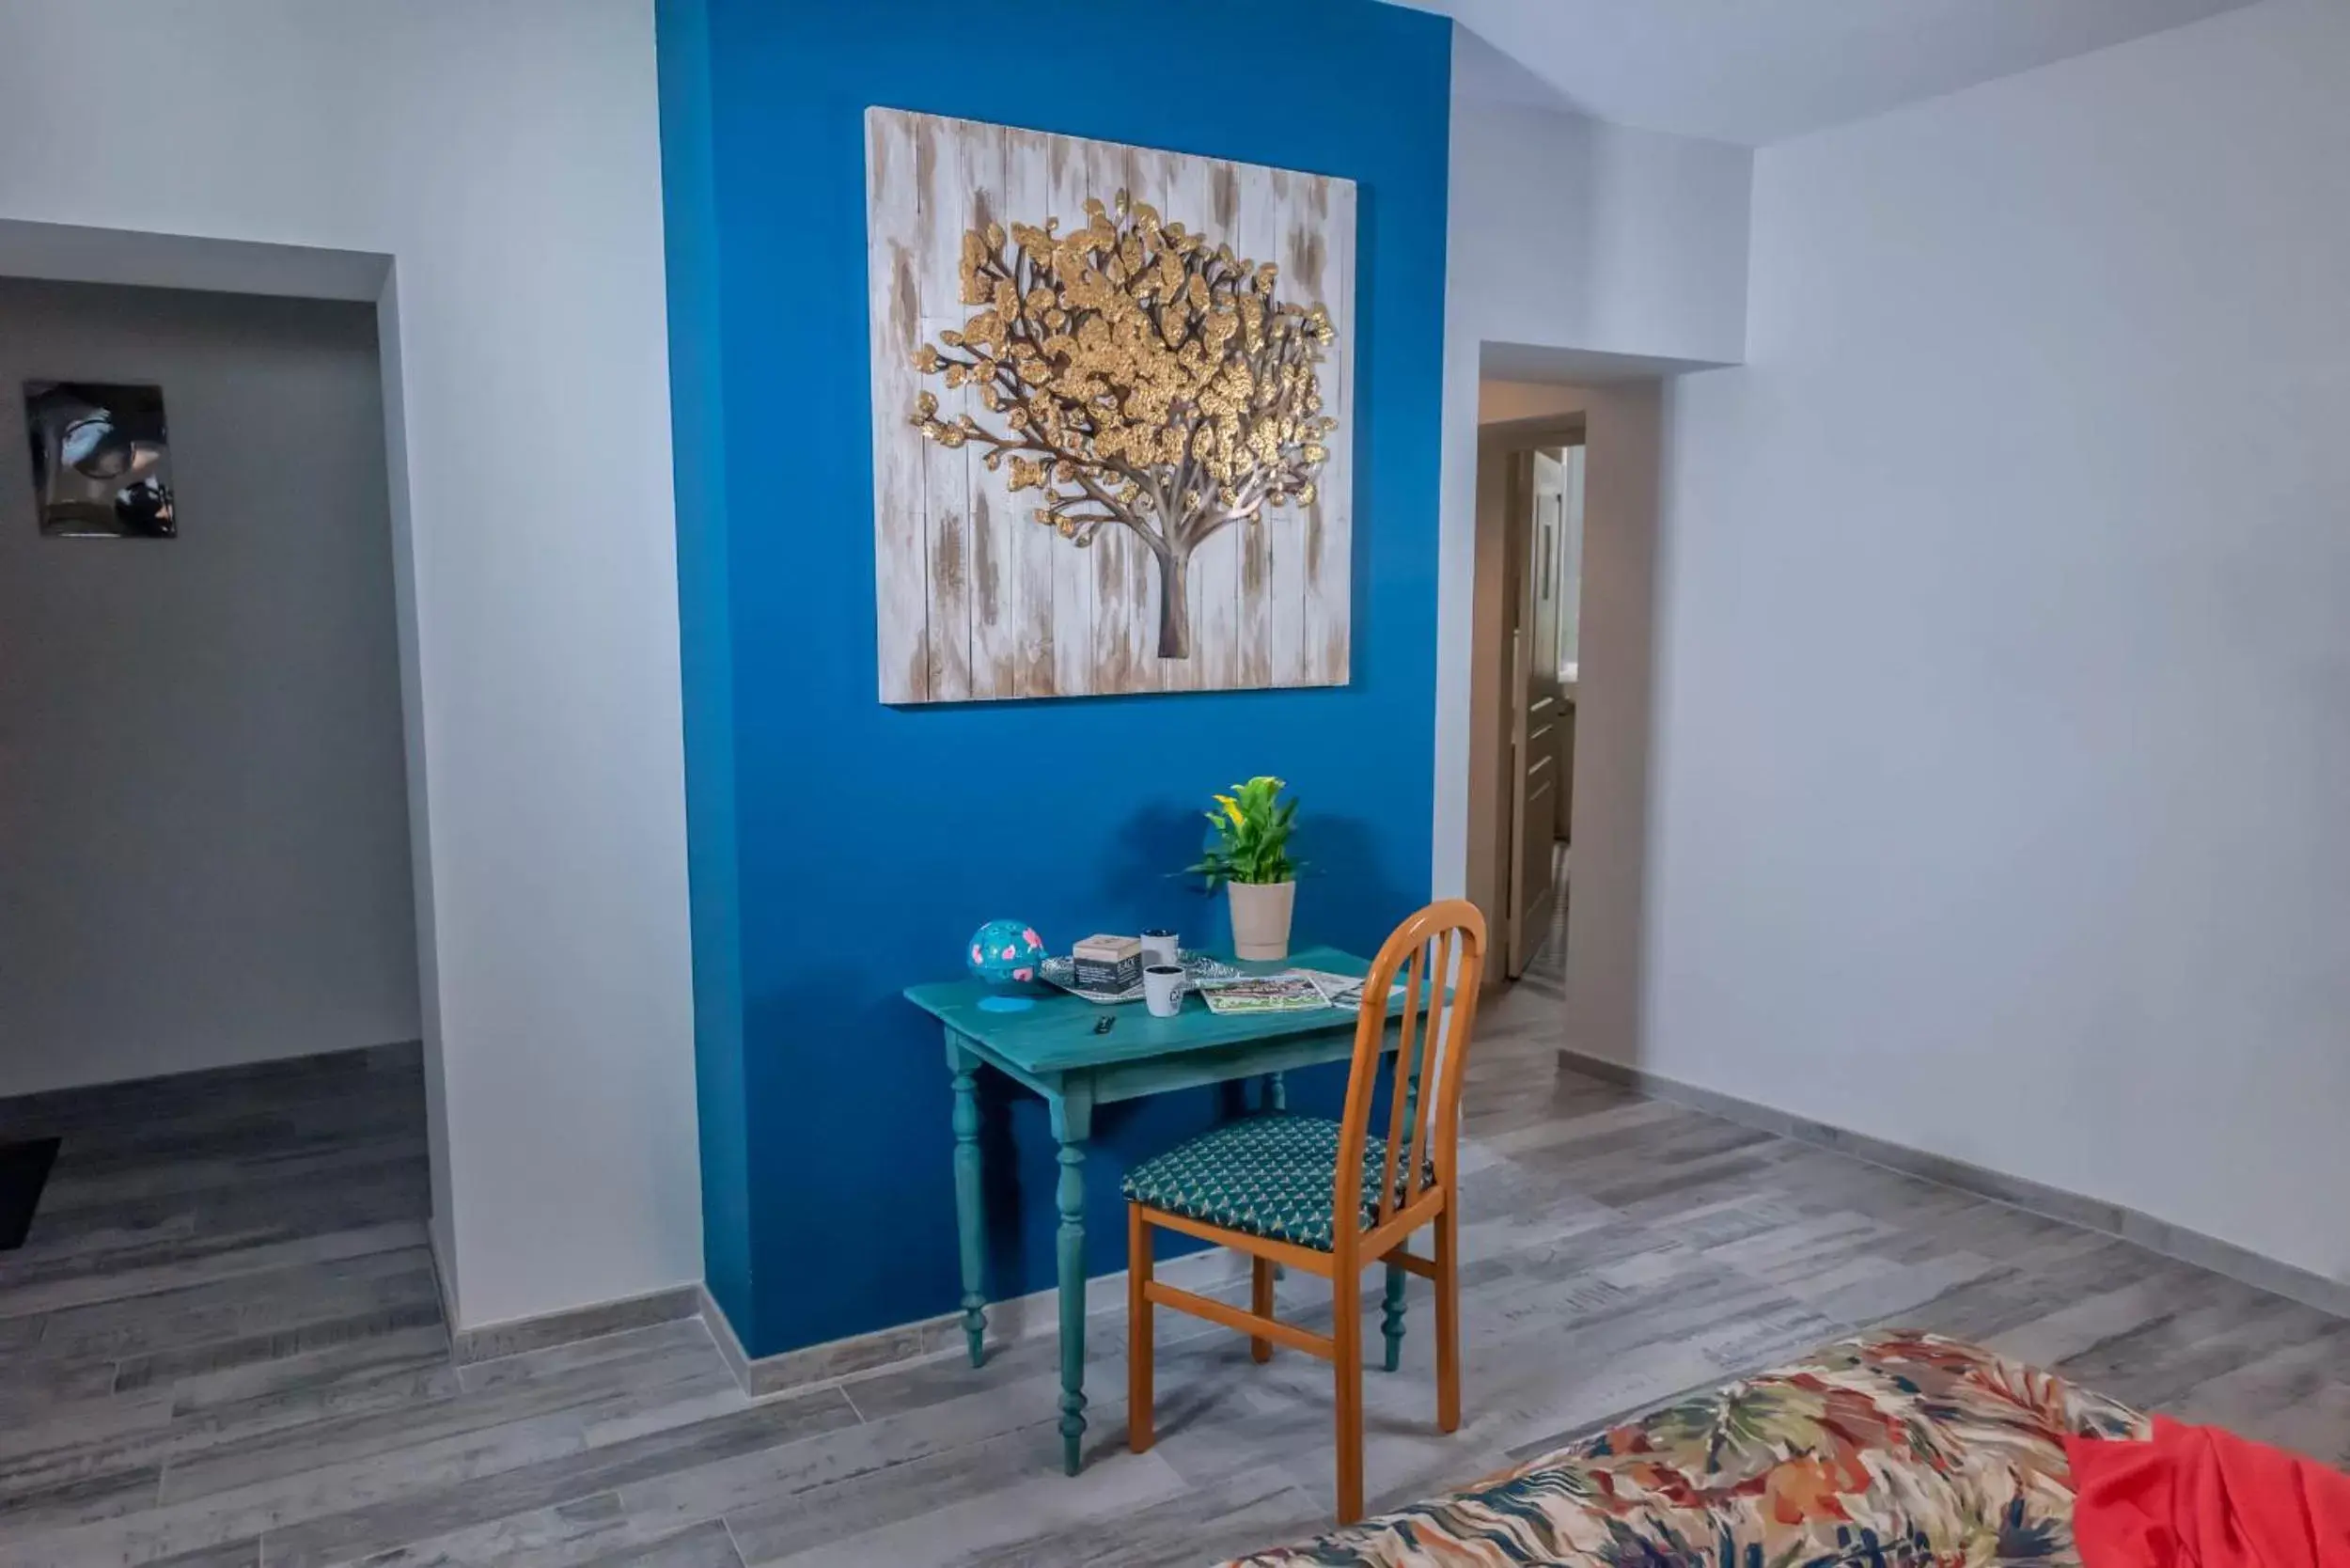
(697, 433)
(841, 848)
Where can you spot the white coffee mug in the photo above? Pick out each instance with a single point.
(1159, 946)
(1162, 989)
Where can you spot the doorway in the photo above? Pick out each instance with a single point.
(1527, 603)
(1572, 924)
(1542, 592)
(200, 726)
(286, 583)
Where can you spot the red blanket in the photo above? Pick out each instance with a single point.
(2195, 1496)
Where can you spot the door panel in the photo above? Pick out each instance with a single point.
(1570, 637)
(1537, 535)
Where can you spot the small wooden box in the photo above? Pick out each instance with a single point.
(1107, 963)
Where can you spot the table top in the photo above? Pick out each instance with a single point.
(1056, 1035)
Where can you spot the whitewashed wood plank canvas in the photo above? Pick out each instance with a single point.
(1112, 450)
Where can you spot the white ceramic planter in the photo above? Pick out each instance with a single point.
(1261, 919)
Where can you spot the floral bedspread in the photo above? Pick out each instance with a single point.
(1894, 1448)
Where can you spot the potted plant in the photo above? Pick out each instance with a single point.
(1250, 856)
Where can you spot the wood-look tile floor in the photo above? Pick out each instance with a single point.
(223, 1347)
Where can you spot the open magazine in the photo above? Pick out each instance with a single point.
(1343, 990)
(1286, 991)
(1290, 991)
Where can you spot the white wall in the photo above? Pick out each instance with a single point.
(200, 779)
(1614, 721)
(506, 154)
(1565, 234)
(1577, 234)
(2006, 684)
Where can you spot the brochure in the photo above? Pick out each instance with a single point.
(1342, 991)
(1288, 992)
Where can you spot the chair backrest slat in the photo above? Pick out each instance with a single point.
(1395, 1108)
(1440, 955)
(1441, 997)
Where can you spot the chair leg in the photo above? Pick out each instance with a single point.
(1261, 1303)
(1447, 1320)
(1139, 1331)
(1346, 1308)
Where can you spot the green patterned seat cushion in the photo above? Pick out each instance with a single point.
(1266, 1176)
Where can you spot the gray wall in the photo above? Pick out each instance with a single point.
(2004, 749)
(1607, 898)
(203, 809)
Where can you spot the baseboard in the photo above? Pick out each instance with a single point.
(834, 1362)
(722, 1330)
(878, 1351)
(72, 1102)
(443, 1275)
(883, 1350)
(906, 1344)
(516, 1335)
(2239, 1263)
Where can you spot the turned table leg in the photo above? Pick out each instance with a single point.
(970, 1221)
(1073, 1117)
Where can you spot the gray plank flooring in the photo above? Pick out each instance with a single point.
(222, 1347)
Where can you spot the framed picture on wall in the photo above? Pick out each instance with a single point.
(1112, 416)
(102, 459)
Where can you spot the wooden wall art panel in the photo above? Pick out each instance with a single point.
(1113, 414)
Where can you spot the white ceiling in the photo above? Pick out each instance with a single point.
(1761, 71)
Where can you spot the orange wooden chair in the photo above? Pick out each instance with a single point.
(1325, 1197)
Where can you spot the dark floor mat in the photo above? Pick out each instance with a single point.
(24, 1171)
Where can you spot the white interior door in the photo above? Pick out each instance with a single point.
(1537, 538)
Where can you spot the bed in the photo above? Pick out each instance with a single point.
(1893, 1448)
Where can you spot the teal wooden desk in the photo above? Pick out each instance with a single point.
(1051, 1050)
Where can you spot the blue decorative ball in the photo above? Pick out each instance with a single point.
(1006, 952)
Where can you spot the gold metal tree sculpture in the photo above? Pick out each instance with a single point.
(1136, 376)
